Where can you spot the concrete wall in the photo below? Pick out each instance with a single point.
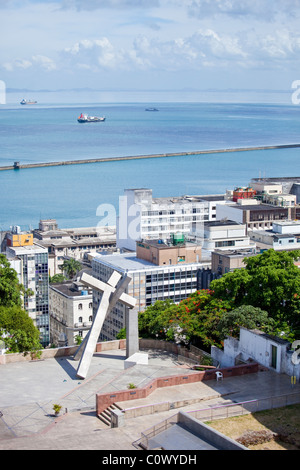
(104, 400)
(258, 347)
(165, 255)
(229, 212)
(203, 431)
(60, 352)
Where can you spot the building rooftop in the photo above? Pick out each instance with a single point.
(26, 250)
(71, 289)
(235, 253)
(276, 339)
(221, 223)
(211, 197)
(125, 262)
(257, 207)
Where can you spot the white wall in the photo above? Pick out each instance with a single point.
(229, 212)
(258, 347)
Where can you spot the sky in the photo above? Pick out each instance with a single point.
(150, 44)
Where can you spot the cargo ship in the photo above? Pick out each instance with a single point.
(86, 118)
(28, 102)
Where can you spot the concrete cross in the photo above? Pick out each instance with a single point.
(112, 292)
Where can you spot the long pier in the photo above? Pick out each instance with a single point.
(18, 166)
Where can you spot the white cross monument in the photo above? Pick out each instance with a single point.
(112, 292)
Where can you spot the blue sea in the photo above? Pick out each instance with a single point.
(77, 195)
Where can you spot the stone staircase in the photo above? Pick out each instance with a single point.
(105, 416)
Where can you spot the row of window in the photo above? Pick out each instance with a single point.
(163, 276)
(171, 287)
(80, 306)
(80, 319)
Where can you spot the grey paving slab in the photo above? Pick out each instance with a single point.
(179, 438)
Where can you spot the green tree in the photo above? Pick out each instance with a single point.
(71, 267)
(121, 334)
(152, 319)
(193, 320)
(17, 330)
(10, 287)
(270, 281)
(56, 278)
(247, 316)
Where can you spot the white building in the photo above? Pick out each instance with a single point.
(270, 351)
(72, 242)
(71, 311)
(31, 264)
(149, 283)
(285, 235)
(226, 234)
(143, 217)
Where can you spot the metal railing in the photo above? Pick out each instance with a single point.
(222, 412)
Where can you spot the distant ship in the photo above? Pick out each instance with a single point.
(151, 109)
(86, 118)
(28, 102)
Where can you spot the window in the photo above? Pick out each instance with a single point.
(91, 305)
(79, 306)
(79, 319)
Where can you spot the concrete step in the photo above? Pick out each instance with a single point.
(105, 415)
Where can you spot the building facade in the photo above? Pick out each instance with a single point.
(255, 215)
(149, 282)
(30, 261)
(225, 261)
(226, 234)
(72, 243)
(284, 236)
(71, 312)
(144, 217)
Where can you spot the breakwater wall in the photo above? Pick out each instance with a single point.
(18, 165)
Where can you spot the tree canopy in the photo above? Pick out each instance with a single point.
(193, 320)
(247, 317)
(270, 281)
(71, 267)
(263, 295)
(17, 329)
(10, 287)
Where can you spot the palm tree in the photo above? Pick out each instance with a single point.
(71, 267)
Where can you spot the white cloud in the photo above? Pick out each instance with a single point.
(17, 64)
(262, 10)
(108, 4)
(148, 38)
(41, 61)
(95, 54)
(44, 62)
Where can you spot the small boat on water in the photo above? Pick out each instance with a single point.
(86, 118)
(27, 101)
(151, 109)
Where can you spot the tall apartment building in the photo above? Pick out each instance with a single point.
(143, 217)
(158, 269)
(30, 261)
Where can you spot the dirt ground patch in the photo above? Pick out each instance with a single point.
(281, 426)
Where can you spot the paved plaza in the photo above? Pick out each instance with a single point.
(28, 391)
